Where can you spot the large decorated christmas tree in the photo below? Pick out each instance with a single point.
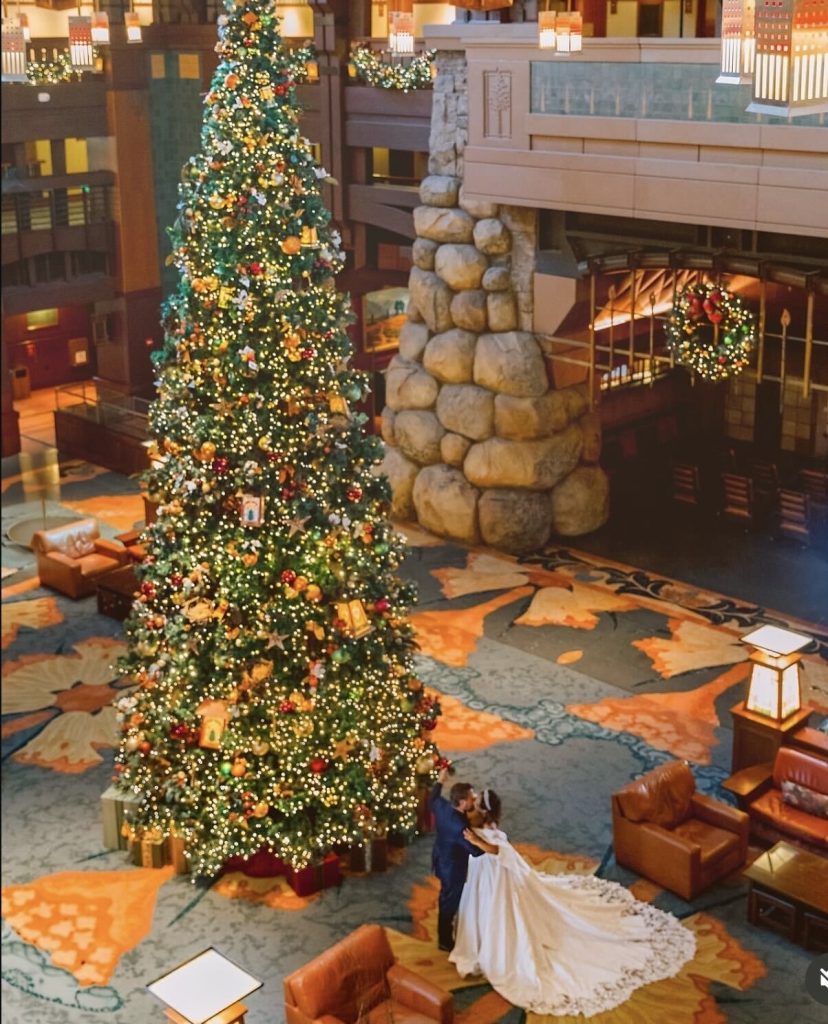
(274, 702)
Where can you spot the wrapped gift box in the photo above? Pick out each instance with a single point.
(148, 852)
(316, 877)
(177, 854)
(115, 807)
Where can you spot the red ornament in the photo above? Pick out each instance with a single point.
(255, 268)
(429, 724)
(353, 493)
(288, 576)
(148, 589)
(308, 353)
(715, 317)
(145, 746)
(221, 465)
(176, 579)
(318, 765)
(287, 707)
(382, 605)
(716, 297)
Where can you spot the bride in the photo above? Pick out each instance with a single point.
(558, 944)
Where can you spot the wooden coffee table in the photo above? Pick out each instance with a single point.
(116, 591)
(789, 895)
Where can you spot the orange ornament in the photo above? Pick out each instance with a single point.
(238, 769)
(291, 245)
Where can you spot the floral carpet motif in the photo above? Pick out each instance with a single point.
(38, 613)
(73, 695)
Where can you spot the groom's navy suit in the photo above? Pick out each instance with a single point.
(449, 861)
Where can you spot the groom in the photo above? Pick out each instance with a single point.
(450, 858)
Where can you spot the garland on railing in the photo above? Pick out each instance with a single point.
(371, 69)
(52, 70)
(711, 331)
(299, 60)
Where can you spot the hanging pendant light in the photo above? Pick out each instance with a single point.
(14, 52)
(738, 42)
(23, 21)
(401, 27)
(100, 28)
(81, 51)
(133, 27)
(546, 29)
(791, 68)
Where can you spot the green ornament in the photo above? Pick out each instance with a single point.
(381, 548)
(225, 768)
(356, 693)
(340, 656)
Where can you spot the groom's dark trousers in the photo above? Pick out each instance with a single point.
(449, 861)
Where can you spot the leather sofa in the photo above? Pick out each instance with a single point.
(666, 831)
(71, 558)
(761, 795)
(357, 980)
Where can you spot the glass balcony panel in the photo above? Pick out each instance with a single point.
(652, 91)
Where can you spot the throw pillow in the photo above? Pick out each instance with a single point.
(805, 799)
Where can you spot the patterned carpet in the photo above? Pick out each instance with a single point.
(561, 677)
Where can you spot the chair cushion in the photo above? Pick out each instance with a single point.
(715, 842)
(75, 539)
(391, 1011)
(800, 767)
(772, 809)
(804, 799)
(662, 796)
(94, 565)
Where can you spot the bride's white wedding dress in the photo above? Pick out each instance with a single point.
(560, 944)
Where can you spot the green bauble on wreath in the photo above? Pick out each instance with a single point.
(711, 331)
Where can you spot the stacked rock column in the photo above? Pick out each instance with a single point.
(480, 446)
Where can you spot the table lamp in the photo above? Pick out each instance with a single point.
(206, 989)
(774, 689)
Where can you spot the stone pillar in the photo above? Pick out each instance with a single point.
(480, 445)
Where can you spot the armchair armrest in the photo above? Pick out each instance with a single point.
(683, 854)
(329, 1018)
(111, 549)
(714, 812)
(419, 994)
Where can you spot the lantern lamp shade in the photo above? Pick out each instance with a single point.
(132, 21)
(14, 53)
(791, 70)
(309, 238)
(774, 688)
(81, 51)
(100, 28)
(23, 21)
(401, 31)
(546, 29)
(738, 42)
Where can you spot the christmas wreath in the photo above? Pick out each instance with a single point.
(416, 74)
(711, 331)
(51, 70)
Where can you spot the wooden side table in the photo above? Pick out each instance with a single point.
(756, 738)
(232, 1015)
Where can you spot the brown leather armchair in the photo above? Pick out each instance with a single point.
(71, 558)
(357, 980)
(665, 830)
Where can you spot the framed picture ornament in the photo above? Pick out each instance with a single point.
(252, 510)
(214, 719)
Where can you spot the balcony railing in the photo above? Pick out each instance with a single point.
(123, 414)
(54, 208)
(650, 91)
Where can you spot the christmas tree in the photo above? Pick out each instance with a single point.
(274, 702)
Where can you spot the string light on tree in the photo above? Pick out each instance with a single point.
(711, 331)
(414, 74)
(274, 702)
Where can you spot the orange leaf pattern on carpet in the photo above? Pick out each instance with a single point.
(37, 613)
(121, 511)
(691, 646)
(270, 892)
(569, 657)
(575, 607)
(681, 723)
(452, 636)
(482, 573)
(460, 728)
(86, 920)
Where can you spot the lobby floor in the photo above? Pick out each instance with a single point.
(561, 677)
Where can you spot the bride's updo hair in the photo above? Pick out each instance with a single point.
(489, 804)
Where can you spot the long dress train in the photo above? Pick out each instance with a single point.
(561, 944)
